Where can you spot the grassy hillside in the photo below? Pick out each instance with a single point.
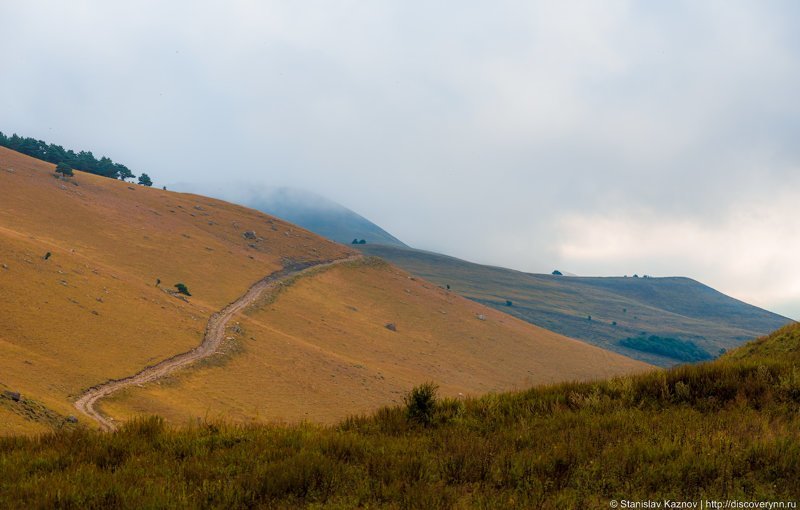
(92, 311)
(679, 310)
(321, 350)
(783, 345)
(724, 430)
(102, 305)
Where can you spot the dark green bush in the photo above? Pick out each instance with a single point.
(64, 169)
(421, 403)
(675, 348)
(182, 289)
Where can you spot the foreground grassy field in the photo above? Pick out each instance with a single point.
(728, 429)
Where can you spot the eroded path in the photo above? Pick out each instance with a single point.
(213, 337)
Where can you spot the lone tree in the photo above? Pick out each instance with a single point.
(144, 180)
(182, 289)
(64, 169)
(124, 172)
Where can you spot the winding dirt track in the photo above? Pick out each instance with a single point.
(215, 333)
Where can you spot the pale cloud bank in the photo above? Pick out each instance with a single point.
(598, 137)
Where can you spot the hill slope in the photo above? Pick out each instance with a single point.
(782, 345)
(668, 308)
(102, 306)
(322, 350)
(92, 310)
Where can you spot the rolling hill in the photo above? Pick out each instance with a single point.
(663, 321)
(88, 269)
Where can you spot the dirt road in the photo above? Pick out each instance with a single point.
(215, 333)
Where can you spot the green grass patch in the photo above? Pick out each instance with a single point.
(727, 429)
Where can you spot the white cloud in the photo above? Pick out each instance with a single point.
(751, 254)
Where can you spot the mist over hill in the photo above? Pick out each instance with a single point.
(320, 215)
(301, 207)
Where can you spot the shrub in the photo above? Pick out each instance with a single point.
(182, 289)
(421, 403)
(64, 169)
(145, 180)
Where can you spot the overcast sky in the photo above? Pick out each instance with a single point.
(597, 137)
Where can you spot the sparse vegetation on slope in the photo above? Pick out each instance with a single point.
(727, 429)
(351, 338)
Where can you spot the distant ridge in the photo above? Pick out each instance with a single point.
(611, 312)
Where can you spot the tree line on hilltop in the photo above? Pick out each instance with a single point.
(83, 160)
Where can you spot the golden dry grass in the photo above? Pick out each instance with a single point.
(15, 424)
(321, 352)
(92, 311)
